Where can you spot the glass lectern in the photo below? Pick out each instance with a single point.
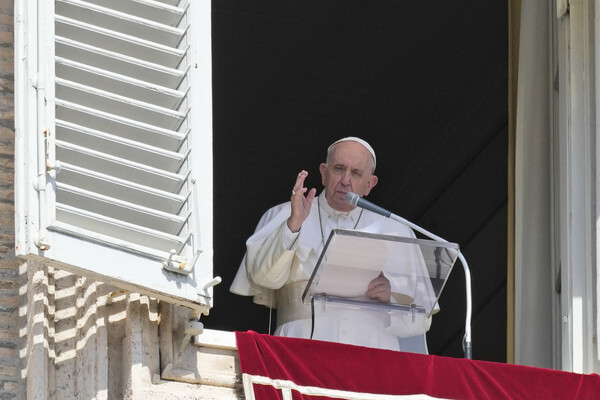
(416, 268)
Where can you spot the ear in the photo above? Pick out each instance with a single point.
(323, 170)
(371, 184)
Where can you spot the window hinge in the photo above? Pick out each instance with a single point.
(41, 242)
(39, 183)
(171, 263)
(54, 166)
(179, 265)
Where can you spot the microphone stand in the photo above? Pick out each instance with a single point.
(467, 345)
(357, 201)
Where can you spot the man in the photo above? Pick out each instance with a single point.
(286, 245)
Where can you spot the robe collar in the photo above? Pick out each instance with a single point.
(312, 232)
(328, 211)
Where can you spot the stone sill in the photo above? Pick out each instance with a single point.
(211, 361)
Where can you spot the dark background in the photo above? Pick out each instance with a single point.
(425, 82)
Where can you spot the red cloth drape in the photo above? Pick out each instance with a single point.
(365, 370)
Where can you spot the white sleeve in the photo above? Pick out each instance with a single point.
(268, 262)
(270, 250)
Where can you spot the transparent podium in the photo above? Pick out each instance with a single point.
(417, 270)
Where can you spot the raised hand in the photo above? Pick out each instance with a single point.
(301, 203)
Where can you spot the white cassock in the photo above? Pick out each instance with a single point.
(279, 263)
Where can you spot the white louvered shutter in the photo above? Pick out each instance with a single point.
(113, 151)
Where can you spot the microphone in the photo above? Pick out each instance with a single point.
(357, 201)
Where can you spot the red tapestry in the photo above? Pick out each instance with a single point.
(322, 370)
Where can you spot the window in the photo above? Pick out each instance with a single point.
(113, 150)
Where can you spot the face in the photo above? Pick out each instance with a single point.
(348, 169)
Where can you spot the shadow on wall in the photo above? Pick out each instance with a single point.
(77, 334)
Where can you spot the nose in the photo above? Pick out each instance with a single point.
(346, 176)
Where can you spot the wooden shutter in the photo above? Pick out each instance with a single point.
(114, 142)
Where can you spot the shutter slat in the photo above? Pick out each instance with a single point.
(119, 105)
(113, 20)
(119, 63)
(119, 147)
(166, 12)
(114, 41)
(138, 131)
(121, 189)
(118, 84)
(119, 167)
(169, 2)
(124, 211)
(115, 232)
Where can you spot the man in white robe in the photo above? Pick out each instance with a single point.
(289, 238)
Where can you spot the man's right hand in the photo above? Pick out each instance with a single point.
(301, 204)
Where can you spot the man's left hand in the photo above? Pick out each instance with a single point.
(380, 289)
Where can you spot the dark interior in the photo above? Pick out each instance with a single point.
(425, 82)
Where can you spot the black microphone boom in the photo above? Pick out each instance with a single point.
(357, 201)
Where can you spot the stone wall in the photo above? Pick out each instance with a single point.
(88, 340)
(12, 273)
